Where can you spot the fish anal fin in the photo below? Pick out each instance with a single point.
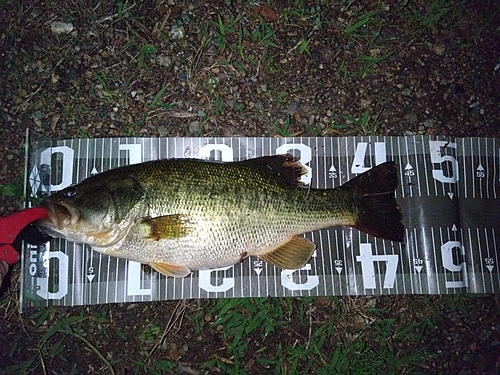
(292, 255)
(285, 167)
(170, 269)
(168, 227)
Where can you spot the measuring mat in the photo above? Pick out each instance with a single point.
(449, 193)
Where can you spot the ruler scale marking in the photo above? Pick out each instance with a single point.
(496, 260)
(468, 170)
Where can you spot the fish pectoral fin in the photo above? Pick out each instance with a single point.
(167, 227)
(170, 269)
(292, 255)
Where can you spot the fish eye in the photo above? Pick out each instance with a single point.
(70, 192)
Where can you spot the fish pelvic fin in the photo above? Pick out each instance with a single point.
(378, 213)
(293, 255)
(170, 269)
(286, 168)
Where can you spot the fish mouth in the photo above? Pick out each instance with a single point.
(61, 215)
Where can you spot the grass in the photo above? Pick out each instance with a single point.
(52, 345)
(145, 54)
(270, 320)
(434, 13)
(15, 190)
(12, 190)
(366, 123)
(326, 335)
(284, 130)
(152, 111)
(223, 29)
(236, 33)
(262, 34)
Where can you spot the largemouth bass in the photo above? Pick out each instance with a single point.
(182, 215)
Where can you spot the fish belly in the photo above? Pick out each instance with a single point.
(211, 244)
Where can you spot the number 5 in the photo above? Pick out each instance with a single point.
(438, 158)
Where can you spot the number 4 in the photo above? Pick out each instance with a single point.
(358, 165)
(367, 260)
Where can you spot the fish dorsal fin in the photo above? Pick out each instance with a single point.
(285, 167)
(167, 227)
(292, 255)
(170, 269)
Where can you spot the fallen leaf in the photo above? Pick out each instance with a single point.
(173, 351)
(266, 12)
(226, 360)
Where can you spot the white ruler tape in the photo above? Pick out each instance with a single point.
(449, 193)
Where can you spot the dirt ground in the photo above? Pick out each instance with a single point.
(73, 69)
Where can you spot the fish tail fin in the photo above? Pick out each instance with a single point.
(378, 213)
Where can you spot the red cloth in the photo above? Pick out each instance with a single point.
(10, 226)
